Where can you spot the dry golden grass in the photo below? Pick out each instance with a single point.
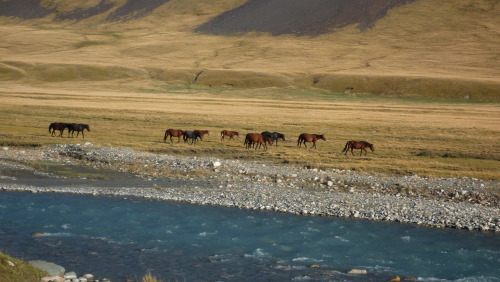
(132, 80)
(411, 137)
(426, 48)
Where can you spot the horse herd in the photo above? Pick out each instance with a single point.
(72, 127)
(252, 140)
(258, 140)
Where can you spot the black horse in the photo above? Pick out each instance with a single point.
(192, 136)
(274, 136)
(61, 126)
(78, 127)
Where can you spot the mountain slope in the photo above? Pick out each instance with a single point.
(419, 48)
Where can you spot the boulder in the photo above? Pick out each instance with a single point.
(51, 268)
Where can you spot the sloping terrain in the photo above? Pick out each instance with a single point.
(393, 47)
(299, 17)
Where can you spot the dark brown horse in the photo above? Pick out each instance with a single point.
(191, 137)
(274, 136)
(360, 145)
(203, 132)
(306, 137)
(61, 126)
(173, 133)
(78, 127)
(228, 133)
(257, 140)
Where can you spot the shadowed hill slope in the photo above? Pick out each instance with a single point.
(299, 17)
(394, 47)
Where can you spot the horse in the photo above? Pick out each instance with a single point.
(173, 133)
(192, 135)
(252, 139)
(203, 132)
(361, 145)
(305, 137)
(57, 126)
(274, 136)
(78, 127)
(228, 133)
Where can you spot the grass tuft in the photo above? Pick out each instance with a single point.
(15, 270)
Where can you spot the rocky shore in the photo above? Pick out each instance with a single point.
(441, 202)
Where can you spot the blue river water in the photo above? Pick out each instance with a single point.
(123, 238)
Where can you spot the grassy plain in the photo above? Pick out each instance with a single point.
(132, 80)
(423, 137)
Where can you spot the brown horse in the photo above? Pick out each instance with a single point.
(305, 137)
(61, 126)
(173, 133)
(252, 139)
(203, 132)
(361, 145)
(228, 133)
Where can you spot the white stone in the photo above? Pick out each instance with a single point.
(52, 279)
(216, 164)
(357, 271)
(70, 275)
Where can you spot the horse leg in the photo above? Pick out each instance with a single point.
(352, 149)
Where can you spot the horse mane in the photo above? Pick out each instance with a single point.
(367, 143)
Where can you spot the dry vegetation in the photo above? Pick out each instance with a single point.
(411, 137)
(426, 48)
(132, 80)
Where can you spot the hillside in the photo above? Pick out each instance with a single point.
(421, 48)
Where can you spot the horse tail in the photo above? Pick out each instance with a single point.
(165, 136)
(346, 146)
(50, 126)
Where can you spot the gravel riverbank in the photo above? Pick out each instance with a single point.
(441, 202)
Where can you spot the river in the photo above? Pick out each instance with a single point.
(123, 238)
